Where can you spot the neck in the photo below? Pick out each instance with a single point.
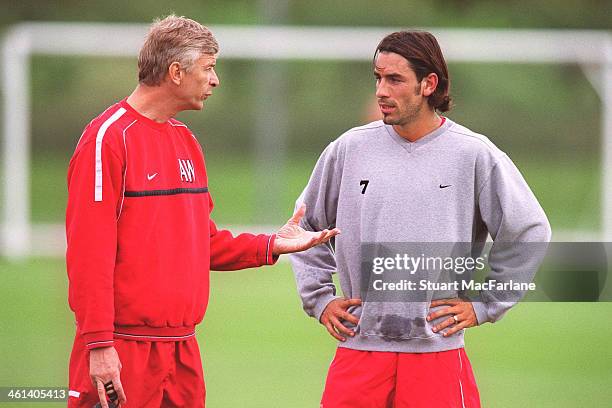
(423, 125)
(152, 102)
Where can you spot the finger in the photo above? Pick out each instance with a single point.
(297, 216)
(440, 302)
(119, 390)
(330, 234)
(340, 327)
(468, 318)
(443, 312)
(349, 318)
(331, 331)
(352, 302)
(101, 393)
(319, 239)
(322, 235)
(316, 238)
(459, 326)
(323, 319)
(443, 325)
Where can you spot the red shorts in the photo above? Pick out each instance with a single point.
(377, 379)
(154, 374)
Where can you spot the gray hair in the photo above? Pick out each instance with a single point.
(173, 39)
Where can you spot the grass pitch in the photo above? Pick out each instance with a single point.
(260, 350)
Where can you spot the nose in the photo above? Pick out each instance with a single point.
(214, 79)
(382, 91)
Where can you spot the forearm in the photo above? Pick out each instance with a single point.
(90, 265)
(229, 252)
(313, 270)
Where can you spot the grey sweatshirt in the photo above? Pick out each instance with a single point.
(452, 185)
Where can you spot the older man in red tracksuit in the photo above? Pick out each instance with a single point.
(140, 239)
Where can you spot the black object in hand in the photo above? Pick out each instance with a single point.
(112, 395)
(111, 404)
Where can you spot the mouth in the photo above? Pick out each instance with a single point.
(206, 95)
(386, 108)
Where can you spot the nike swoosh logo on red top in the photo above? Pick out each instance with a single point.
(151, 176)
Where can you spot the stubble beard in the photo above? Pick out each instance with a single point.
(409, 115)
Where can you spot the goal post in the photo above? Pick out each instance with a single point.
(591, 49)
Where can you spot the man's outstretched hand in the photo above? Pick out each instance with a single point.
(293, 238)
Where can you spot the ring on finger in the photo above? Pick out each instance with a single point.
(456, 319)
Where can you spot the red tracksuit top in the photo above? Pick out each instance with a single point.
(140, 239)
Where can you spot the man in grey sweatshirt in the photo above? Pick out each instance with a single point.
(414, 177)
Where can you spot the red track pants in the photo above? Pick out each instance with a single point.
(154, 374)
(376, 379)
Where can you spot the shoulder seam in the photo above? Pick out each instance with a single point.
(180, 124)
(365, 127)
(473, 136)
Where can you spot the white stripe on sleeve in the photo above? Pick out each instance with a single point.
(99, 137)
(268, 249)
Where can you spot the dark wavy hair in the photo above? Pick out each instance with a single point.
(422, 51)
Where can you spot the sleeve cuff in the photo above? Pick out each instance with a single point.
(480, 309)
(271, 259)
(264, 250)
(98, 339)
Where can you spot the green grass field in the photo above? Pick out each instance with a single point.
(260, 350)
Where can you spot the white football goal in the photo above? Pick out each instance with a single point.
(592, 50)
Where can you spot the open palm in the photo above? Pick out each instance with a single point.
(293, 238)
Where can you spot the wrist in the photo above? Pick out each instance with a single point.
(100, 350)
(98, 339)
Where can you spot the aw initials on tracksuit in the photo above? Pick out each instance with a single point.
(186, 170)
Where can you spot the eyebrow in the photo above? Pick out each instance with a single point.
(393, 75)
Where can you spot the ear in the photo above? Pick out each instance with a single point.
(175, 74)
(429, 84)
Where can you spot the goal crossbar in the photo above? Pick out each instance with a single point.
(591, 49)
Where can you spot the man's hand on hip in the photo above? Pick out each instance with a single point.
(335, 312)
(293, 238)
(104, 367)
(461, 315)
